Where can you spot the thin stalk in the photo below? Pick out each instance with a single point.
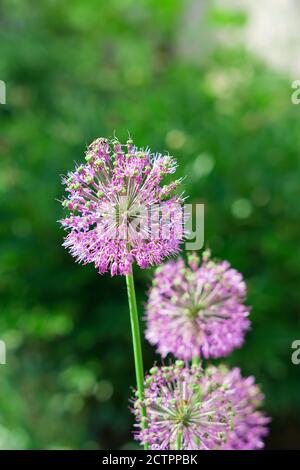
(178, 441)
(195, 361)
(136, 341)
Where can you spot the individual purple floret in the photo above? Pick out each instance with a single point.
(188, 409)
(120, 211)
(196, 310)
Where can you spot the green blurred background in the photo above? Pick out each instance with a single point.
(79, 69)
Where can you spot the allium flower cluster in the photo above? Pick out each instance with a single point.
(188, 408)
(120, 210)
(249, 423)
(196, 310)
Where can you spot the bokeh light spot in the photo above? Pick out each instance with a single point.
(175, 139)
(241, 208)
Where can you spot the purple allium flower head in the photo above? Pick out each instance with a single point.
(249, 423)
(120, 211)
(196, 310)
(188, 408)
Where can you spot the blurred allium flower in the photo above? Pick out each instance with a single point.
(249, 424)
(189, 409)
(186, 409)
(194, 311)
(119, 210)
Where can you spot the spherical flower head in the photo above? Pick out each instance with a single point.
(189, 409)
(120, 210)
(186, 409)
(196, 310)
(249, 423)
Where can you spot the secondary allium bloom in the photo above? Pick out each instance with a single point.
(120, 211)
(197, 310)
(188, 408)
(249, 424)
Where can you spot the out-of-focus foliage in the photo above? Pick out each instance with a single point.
(77, 70)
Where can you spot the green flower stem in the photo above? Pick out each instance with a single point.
(178, 441)
(195, 361)
(136, 341)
